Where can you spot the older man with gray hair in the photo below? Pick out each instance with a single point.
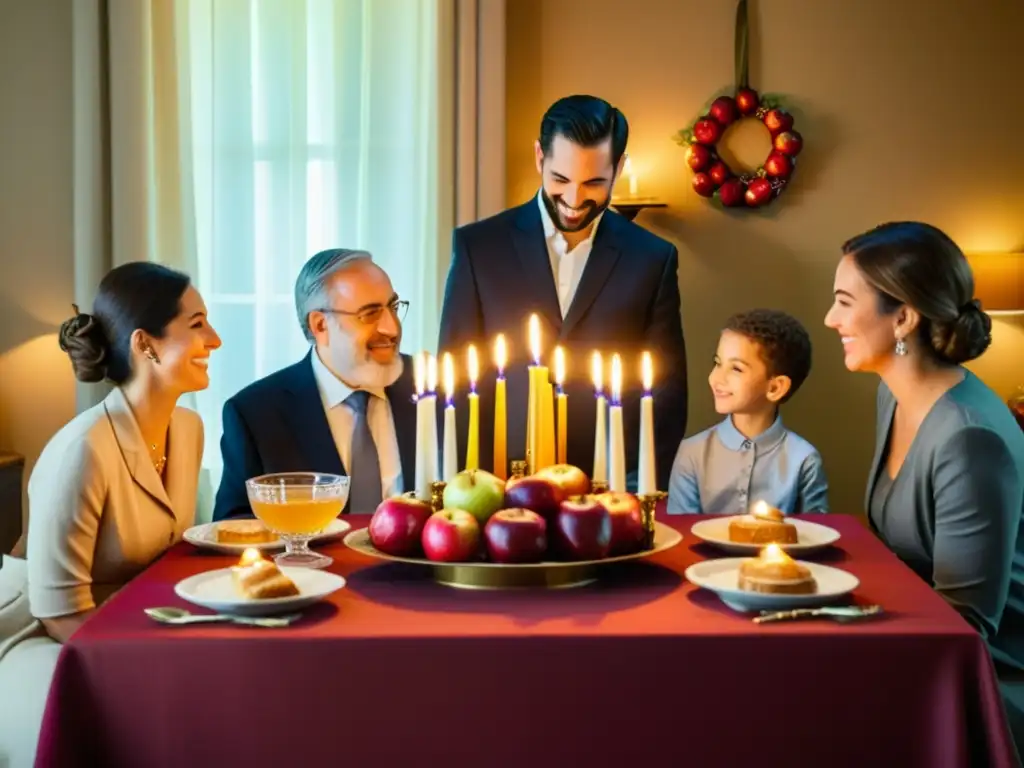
(343, 409)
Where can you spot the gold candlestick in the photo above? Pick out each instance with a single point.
(437, 495)
(648, 503)
(598, 486)
(518, 469)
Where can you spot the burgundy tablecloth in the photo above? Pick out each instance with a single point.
(639, 669)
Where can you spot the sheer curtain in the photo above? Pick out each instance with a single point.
(313, 124)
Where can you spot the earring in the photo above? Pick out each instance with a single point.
(151, 354)
(901, 347)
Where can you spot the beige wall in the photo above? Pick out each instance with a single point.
(37, 393)
(909, 110)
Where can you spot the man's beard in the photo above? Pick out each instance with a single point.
(593, 211)
(353, 366)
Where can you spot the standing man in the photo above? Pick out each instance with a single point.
(345, 408)
(596, 281)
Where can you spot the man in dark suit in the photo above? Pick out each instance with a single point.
(345, 408)
(596, 281)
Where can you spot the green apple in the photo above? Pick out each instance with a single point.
(478, 492)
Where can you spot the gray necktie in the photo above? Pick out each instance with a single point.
(364, 464)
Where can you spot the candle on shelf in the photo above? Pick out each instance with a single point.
(538, 376)
(617, 446)
(450, 460)
(473, 440)
(630, 175)
(647, 481)
(425, 379)
(500, 410)
(600, 473)
(561, 443)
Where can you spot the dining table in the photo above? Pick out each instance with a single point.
(638, 668)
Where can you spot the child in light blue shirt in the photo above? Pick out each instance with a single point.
(763, 357)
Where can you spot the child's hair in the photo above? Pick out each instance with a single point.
(784, 343)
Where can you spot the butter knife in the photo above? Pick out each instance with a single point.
(839, 613)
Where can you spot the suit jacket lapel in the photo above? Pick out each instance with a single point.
(532, 249)
(403, 414)
(882, 430)
(603, 257)
(137, 455)
(309, 421)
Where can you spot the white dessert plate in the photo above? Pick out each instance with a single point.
(205, 537)
(721, 576)
(215, 590)
(811, 537)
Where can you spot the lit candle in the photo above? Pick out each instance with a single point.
(764, 510)
(774, 553)
(630, 175)
(500, 414)
(617, 448)
(425, 378)
(537, 377)
(561, 444)
(647, 482)
(547, 412)
(473, 440)
(600, 473)
(450, 454)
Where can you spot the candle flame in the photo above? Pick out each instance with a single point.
(597, 371)
(431, 373)
(250, 556)
(647, 371)
(764, 510)
(500, 353)
(448, 368)
(419, 372)
(473, 364)
(559, 366)
(535, 338)
(616, 379)
(774, 553)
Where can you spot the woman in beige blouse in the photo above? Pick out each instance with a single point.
(113, 489)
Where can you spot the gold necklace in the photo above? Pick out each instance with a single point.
(158, 464)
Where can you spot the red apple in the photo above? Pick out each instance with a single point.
(759, 192)
(583, 529)
(627, 521)
(790, 142)
(731, 193)
(397, 525)
(724, 110)
(516, 536)
(697, 157)
(703, 185)
(778, 120)
(747, 101)
(451, 536)
(571, 479)
(707, 130)
(778, 165)
(538, 494)
(719, 172)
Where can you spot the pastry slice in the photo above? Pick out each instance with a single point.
(244, 532)
(258, 579)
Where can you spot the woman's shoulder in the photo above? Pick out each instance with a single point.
(973, 411)
(76, 450)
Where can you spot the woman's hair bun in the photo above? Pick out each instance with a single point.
(85, 343)
(964, 338)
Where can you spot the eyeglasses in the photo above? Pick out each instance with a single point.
(371, 315)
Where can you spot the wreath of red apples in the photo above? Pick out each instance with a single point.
(713, 178)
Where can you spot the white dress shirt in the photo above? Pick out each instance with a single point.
(341, 419)
(566, 265)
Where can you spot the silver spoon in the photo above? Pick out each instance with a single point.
(167, 615)
(841, 614)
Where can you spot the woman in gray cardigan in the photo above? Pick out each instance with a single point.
(946, 490)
